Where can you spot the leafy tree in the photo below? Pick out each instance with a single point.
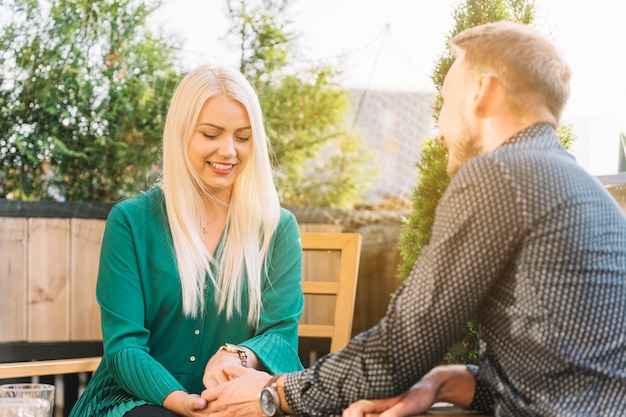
(84, 93)
(432, 177)
(317, 160)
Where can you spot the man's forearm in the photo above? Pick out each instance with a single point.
(456, 383)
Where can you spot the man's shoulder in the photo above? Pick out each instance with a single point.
(523, 157)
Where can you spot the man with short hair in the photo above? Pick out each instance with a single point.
(523, 239)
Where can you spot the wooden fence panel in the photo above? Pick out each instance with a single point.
(13, 272)
(86, 239)
(48, 284)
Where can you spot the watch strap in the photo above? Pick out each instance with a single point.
(272, 386)
(272, 383)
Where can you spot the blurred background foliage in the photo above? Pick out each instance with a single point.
(319, 161)
(85, 91)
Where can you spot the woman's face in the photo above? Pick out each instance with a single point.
(221, 143)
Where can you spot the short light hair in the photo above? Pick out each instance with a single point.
(525, 61)
(254, 207)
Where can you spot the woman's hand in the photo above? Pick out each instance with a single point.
(183, 404)
(214, 374)
(453, 383)
(239, 396)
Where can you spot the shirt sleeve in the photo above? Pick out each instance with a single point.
(125, 337)
(275, 342)
(483, 396)
(470, 246)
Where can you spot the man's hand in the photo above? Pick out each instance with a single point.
(416, 400)
(239, 396)
(454, 384)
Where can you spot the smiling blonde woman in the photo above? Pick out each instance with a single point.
(202, 271)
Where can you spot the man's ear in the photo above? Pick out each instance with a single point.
(484, 97)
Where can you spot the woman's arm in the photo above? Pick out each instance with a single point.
(123, 303)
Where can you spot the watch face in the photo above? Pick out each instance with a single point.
(268, 406)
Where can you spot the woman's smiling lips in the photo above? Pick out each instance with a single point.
(221, 168)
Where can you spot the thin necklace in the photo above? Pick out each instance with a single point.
(203, 226)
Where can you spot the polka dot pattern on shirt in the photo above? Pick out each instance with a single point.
(532, 245)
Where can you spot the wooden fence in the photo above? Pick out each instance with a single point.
(49, 272)
(48, 275)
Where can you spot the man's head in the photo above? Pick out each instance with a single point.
(506, 75)
(524, 61)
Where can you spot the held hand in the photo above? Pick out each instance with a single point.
(362, 407)
(452, 383)
(239, 396)
(183, 404)
(416, 400)
(214, 374)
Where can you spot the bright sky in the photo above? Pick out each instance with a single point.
(393, 44)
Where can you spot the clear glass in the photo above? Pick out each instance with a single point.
(26, 400)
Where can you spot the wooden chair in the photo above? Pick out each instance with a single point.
(48, 367)
(347, 246)
(326, 249)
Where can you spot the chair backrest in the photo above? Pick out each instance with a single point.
(329, 298)
(337, 250)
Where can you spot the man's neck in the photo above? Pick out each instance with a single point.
(498, 130)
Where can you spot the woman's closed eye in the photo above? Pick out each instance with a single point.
(211, 136)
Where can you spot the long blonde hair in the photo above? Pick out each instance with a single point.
(254, 207)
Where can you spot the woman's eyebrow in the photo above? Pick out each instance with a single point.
(222, 128)
(212, 125)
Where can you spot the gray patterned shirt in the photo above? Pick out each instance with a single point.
(535, 248)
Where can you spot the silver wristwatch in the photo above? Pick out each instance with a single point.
(269, 399)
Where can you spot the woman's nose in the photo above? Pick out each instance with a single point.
(227, 147)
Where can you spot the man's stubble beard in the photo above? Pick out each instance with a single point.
(466, 147)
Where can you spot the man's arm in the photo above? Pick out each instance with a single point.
(475, 235)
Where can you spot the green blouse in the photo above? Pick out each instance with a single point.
(150, 347)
